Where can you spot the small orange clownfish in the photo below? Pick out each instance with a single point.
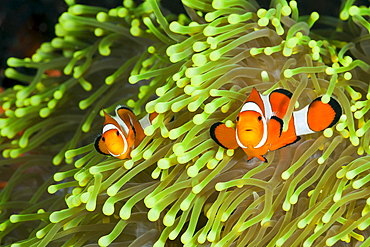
(122, 133)
(259, 125)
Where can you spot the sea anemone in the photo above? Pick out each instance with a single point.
(180, 187)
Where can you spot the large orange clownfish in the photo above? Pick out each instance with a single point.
(122, 133)
(259, 125)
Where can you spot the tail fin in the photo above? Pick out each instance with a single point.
(321, 116)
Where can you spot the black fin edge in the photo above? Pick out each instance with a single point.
(96, 145)
(283, 91)
(119, 107)
(281, 123)
(337, 109)
(265, 160)
(133, 129)
(212, 133)
(296, 140)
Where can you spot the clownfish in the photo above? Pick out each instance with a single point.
(122, 133)
(259, 125)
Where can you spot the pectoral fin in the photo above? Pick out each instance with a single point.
(223, 136)
(100, 146)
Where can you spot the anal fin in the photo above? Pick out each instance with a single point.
(286, 138)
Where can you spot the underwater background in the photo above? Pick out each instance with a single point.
(195, 64)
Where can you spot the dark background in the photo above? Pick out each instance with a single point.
(26, 24)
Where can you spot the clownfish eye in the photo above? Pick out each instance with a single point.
(259, 118)
(103, 139)
(117, 133)
(237, 118)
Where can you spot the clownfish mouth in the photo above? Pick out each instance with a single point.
(248, 130)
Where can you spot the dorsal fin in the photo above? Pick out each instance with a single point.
(279, 100)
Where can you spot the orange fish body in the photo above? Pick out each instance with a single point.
(259, 125)
(121, 133)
